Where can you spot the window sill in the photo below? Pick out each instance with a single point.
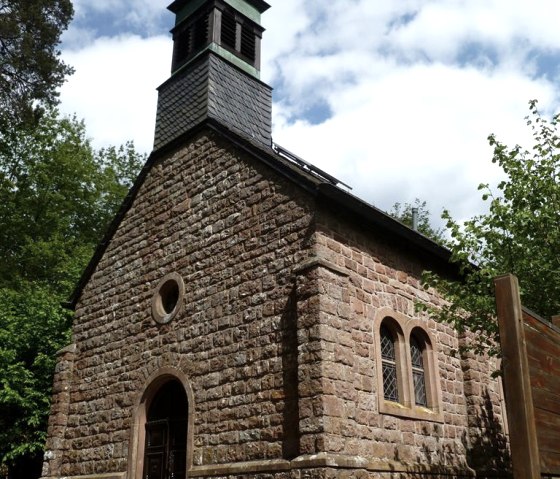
(415, 412)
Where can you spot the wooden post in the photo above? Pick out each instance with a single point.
(519, 400)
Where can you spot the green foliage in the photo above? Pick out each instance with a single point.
(404, 213)
(518, 235)
(30, 66)
(33, 327)
(57, 195)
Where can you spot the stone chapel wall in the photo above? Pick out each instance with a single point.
(211, 215)
(276, 337)
(383, 277)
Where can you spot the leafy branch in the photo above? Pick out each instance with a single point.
(518, 235)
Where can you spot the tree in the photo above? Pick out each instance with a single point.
(518, 235)
(404, 213)
(33, 328)
(57, 195)
(30, 67)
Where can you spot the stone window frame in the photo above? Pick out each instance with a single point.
(403, 327)
(159, 314)
(141, 407)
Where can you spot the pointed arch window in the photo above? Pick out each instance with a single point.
(389, 365)
(418, 372)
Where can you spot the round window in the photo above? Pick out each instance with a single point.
(166, 302)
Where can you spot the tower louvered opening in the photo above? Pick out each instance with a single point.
(200, 33)
(229, 30)
(248, 43)
(183, 47)
(190, 40)
(238, 35)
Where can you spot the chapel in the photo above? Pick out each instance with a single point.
(246, 316)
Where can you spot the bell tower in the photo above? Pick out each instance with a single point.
(215, 72)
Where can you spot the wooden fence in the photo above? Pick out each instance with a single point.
(531, 367)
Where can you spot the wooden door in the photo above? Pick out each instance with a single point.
(165, 449)
(156, 449)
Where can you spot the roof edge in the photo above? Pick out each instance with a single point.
(312, 185)
(260, 5)
(377, 217)
(256, 150)
(540, 319)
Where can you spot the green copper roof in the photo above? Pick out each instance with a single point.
(250, 8)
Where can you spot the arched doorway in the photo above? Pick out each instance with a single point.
(165, 450)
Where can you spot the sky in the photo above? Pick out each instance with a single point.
(396, 98)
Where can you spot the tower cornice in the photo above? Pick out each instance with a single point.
(260, 5)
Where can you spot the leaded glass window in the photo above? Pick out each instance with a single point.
(389, 365)
(418, 373)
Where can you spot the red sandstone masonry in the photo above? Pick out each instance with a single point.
(58, 419)
(275, 335)
(235, 237)
(380, 278)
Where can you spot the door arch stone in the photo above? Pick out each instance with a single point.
(162, 427)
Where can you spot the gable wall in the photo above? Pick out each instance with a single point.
(234, 236)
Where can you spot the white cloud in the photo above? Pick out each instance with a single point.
(417, 131)
(117, 7)
(141, 16)
(147, 13)
(442, 28)
(114, 87)
(83, 6)
(78, 38)
(408, 118)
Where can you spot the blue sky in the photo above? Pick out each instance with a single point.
(395, 98)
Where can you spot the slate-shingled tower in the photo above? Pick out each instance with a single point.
(246, 318)
(215, 71)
